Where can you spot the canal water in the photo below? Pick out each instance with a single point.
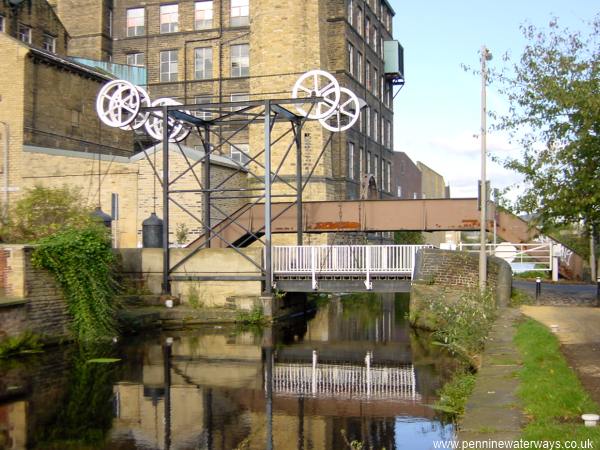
(350, 374)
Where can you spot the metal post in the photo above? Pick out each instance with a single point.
(485, 56)
(269, 403)
(206, 183)
(299, 225)
(538, 288)
(166, 285)
(167, 350)
(598, 292)
(268, 249)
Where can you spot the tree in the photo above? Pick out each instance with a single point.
(554, 114)
(42, 211)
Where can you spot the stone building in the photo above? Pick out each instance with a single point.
(205, 51)
(406, 177)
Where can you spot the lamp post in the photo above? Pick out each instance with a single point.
(485, 56)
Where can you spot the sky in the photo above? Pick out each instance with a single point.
(437, 112)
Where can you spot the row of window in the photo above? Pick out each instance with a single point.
(381, 173)
(203, 17)
(355, 18)
(24, 34)
(203, 62)
(371, 125)
(374, 83)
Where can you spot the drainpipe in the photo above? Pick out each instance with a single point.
(5, 174)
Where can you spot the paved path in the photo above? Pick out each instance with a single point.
(579, 334)
(493, 411)
(558, 294)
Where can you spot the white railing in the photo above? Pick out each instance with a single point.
(530, 256)
(345, 381)
(365, 260)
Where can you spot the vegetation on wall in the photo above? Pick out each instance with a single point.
(82, 263)
(408, 238)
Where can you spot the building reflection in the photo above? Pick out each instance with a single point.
(344, 375)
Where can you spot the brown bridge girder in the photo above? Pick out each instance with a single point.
(367, 216)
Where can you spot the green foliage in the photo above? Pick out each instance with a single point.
(552, 394)
(82, 262)
(43, 212)
(193, 297)
(181, 233)
(519, 297)
(554, 116)
(533, 274)
(408, 238)
(254, 317)
(463, 325)
(454, 394)
(21, 344)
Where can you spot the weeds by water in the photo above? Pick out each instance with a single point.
(19, 345)
(454, 394)
(552, 395)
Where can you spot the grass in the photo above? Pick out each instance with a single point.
(454, 394)
(519, 297)
(532, 275)
(552, 395)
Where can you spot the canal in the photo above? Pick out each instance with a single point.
(348, 374)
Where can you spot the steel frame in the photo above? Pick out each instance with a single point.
(241, 115)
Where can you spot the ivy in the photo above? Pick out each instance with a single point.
(82, 262)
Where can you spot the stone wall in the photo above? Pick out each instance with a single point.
(450, 273)
(32, 300)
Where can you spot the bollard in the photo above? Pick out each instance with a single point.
(598, 292)
(538, 288)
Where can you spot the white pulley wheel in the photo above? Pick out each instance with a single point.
(118, 103)
(141, 118)
(181, 135)
(317, 83)
(154, 124)
(345, 115)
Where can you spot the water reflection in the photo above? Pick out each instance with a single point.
(352, 372)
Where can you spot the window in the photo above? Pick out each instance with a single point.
(49, 43)
(375, 126)
(239, 153)
(169, 18)
(136, 59)
(382, 90)
(350, 12)
(109, 21)
(368, 120)
(399, 192)
(350, 160)
(1, 23)
(203, 100)
(376, 170)
(381, 45)
(204, 63)
(168, 65)
(240, 62)
(368, 30)
(389, 176)
(204, 15)
(350, 58)
(359, 19)
(24, 33)
(375, 39)
(361, 157)
(375, 83)
(368, 73)
(368, 162)
(135, 22)
(240, 12)
(239, 98)
(388, 134)
(359, 67)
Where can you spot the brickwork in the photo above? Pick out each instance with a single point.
(406, 177)
(44, 311)
(40, 18)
